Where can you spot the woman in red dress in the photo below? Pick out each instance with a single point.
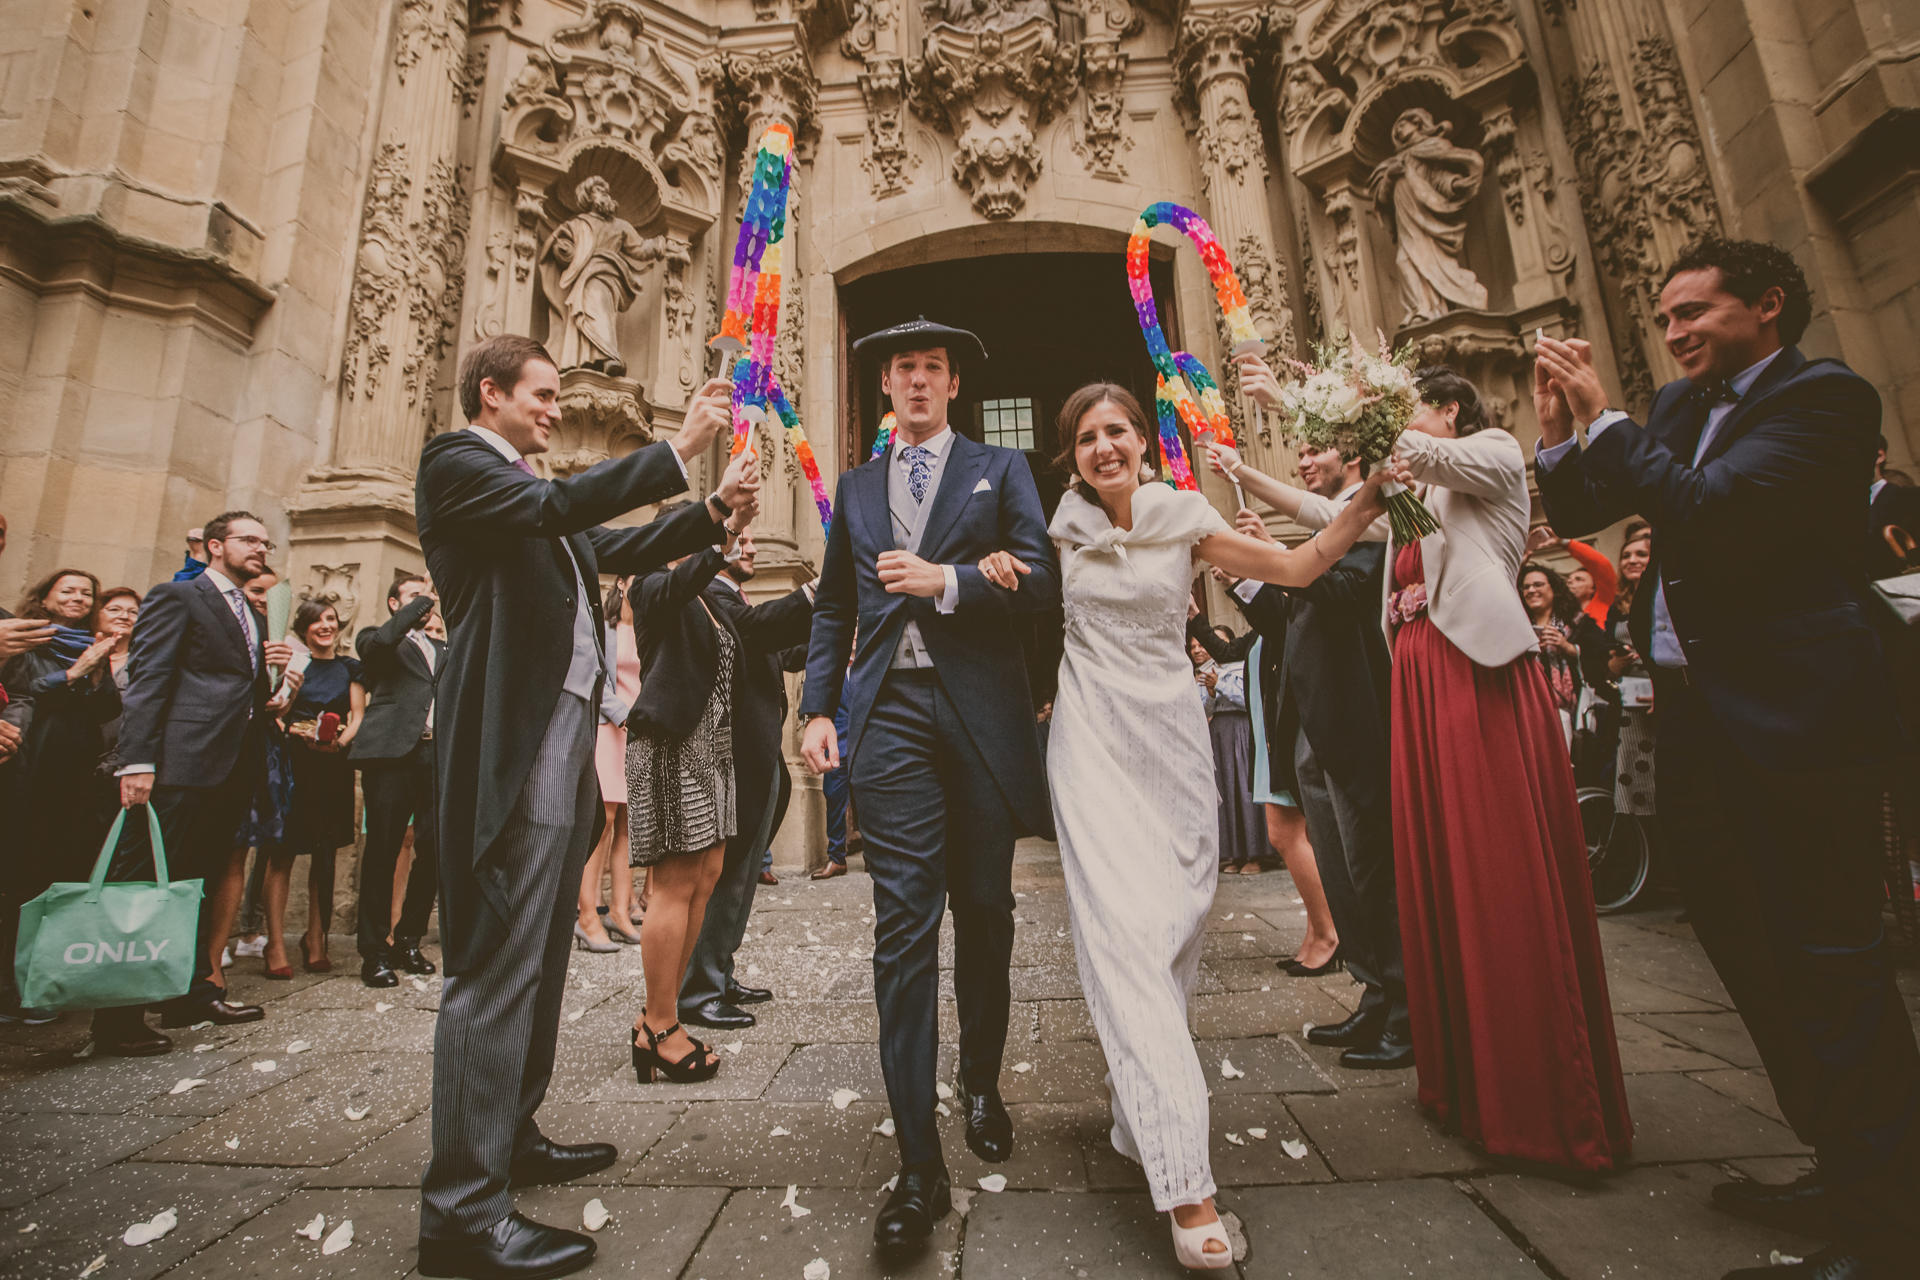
(1512, 1027)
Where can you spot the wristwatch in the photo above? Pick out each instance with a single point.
(720, 509)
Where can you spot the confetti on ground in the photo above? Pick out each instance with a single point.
(942, 1108)
(778, 1132)
(943, 1090)
(419, 985)
(313, 1229)
(232, 1144)
(182, 1086)
(1298, 1150)
(994, 1182)
(1021, 1068)
(843, 1098)
(201, 1048)
(1229, 915)
(342, 1237)
(885, 1127)
(381, 1006)
(358, 1113)
(753, 971)
(201, 1026)
(792, 1203)
(1256, 1133)
(299, 1046)
(575, 1015)
(1780, 1259)
(594, 1216)
(266, 1064)
(1266, 988)
(816, 1270)
(86, 1051)
(1236, 1140)
(735, 1047)
(1246, 937)
(962, 1200)
(147, 1232)
(97, 1264)
(31, 1226)
(1306, 1028)
(1230, 1072)
(890, 1184)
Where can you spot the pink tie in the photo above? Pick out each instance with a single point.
(521, 463)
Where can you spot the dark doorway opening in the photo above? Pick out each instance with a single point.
(1051, 323)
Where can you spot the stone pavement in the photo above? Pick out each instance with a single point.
(267, 1144)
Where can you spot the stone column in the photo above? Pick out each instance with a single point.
(353, 521)
(1211, 59)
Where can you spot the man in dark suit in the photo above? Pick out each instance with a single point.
(710, 995)
(394, 750)
(516, 560)
(192, 735)
(946, 759)
(1775, 725)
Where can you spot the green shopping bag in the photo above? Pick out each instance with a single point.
(99, 945)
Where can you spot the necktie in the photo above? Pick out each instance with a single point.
(521, 464)
(1706, 398)
(239, 603)
(919, 470)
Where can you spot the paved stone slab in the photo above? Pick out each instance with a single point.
(803, 1021)
(1070, 1071)
(732, 1145)
(1642, 1221)
(1346, 1079)
(39, 1153)
(1636, 995)
(348, 992)
(1062, 1236)
(1048, 1149)
(395, 1159)
(400, 1157)
(1064, 1020)
(1648, 1048)
(754, 1237)
(743, 1076)
(1677, 964)
(112, 1086)
(1246, 939)
(386, 1236)
(1723, 1035)
(1379, 1133)
(1677, 1119)
(1423, 1227)
(1047, 982)
(855, 985)
(303, 1121)
(399, 1029)
(652, 1231)
(1749, 1088)
(81, 1221)
(234, 1085)
(1283, 1010)
(1259, 1161)
(815, 1071)
(1254, 973)
(1270, 1065)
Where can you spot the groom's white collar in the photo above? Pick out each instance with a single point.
(936, 446)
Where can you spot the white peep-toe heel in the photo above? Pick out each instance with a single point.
(1190, 1246)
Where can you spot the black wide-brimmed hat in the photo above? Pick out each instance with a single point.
(919, 335)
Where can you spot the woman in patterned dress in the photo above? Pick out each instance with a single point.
(680, 787)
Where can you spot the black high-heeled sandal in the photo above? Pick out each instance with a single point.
(698, 1065)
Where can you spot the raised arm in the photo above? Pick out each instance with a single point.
(1245, 557)
(377, 646)
(659, 596)
(777, 624)
(1487, 464)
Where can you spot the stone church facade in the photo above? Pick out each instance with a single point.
(243, 243)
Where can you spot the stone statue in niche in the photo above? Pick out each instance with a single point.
(590, 268)
(1423, 190)
(1002, 15)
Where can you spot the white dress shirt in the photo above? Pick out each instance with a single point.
(949, 597)
(1666, 641)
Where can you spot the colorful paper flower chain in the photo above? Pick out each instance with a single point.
(885, 438)
(1186, 392)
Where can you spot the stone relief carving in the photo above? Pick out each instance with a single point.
(992, 86)
(617, 81)
(1632, 176)
(337, 585)
(598, 413)
(887, 158)
(490, 13)
(1425, 188)
(528, 210)
(1346, 235)
(1231, 144)
(490, 320)
(1263, 278)
(1103, 67)
(869, 19)
(676, 304)
(473, 75)
(996, 15)
(535, 82)
(756, 89)
(432, 24)
(590, 271)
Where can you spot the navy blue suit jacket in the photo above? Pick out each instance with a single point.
(1761, 552)
(975, 648)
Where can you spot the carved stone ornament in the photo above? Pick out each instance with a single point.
(884, 86)
(432, 24)
(617, 81)
(869, 19)
(494, 13)
(1103, 68)
(336, 585)
(756, 89)
(1263, 278)
(992, 86)
(599, 414)
(1639, 185)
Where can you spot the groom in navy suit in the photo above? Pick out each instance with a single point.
(946, 759)
(1775, 721)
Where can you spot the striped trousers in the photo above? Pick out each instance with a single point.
(494, 1042)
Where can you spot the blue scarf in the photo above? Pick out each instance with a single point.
(69, 643)
(190, 570)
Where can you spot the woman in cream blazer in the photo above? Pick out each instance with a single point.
(1506, 986)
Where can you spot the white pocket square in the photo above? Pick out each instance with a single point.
(982, 487)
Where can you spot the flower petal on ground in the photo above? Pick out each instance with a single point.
(594, 1216)
(994, 1182)
(342, 1237)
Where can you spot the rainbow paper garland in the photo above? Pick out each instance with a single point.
(1186, 392)
(752, 319)
(885, 438)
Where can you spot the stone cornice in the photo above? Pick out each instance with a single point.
(86, 254)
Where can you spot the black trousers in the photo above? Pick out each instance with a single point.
(1783, 879)
(397, 792)
(937, 831)
(199, 825)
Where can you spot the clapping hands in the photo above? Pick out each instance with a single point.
(1565, 387)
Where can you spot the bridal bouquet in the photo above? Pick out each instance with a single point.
(1359, 403)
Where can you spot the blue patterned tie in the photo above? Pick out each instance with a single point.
(919, 470)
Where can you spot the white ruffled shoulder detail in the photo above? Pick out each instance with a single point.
(1161, 514)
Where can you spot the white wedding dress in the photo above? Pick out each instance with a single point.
(1131, 769)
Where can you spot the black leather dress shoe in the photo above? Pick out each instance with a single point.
(221, 1013)
(1800, 1205)
(718, 1014)
(1828, 1264)
(134, 1045)
(375, 971)
(1361, 1028)
(921, 1197)
(547, 1162)
(1391, 1053)
(737, 994)
(989, 1127)
(407, 958)
(517, 1248)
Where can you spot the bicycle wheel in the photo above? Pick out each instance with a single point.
(1618, 856)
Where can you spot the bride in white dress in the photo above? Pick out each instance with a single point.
(1131, 769)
